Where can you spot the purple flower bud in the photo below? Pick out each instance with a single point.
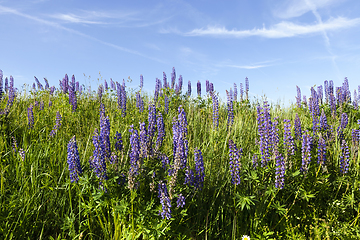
(230, 110)
(173, 77)
(298, 98)
(280, 170)
(165, 201)
(215, 103)
(31, 116)
(141, 82)
(57, 124)
(235, 92)
(161, 130)
(73, 160)
(180, 201)
(298, 131)
(247, 88)
(189, 89)
(165, 80)
(199, 89)
(119, 142)
(234, 162)
(321, 151)
(306, 148)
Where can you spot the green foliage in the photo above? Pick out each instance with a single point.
(39, 201)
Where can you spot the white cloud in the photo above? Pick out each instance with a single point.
(280, 30)
(296, 8)
(248, 66)
(74, 19)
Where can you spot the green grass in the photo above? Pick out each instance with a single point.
(39, 202)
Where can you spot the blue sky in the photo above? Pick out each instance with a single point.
(277, 44)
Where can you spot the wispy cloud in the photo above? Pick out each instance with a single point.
(248, 66)
(296, 8)
(281, 30)
(6, 10)
(71, 18)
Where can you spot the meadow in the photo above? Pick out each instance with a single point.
(177, 163)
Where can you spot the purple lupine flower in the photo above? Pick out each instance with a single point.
(144, 142)
(280, 170)
(199, 175)
(165, 212)
(304, 101)
(165, 161)
(139, 102)
(173, 77)
(161, 130)
(14, 144)
(118, 93)
(31, 116)
(264, 129)
(320, 94)
(112, 84)
(73, 160)
(106, 85)
(331, 87)
(11, 91)
(344, 157)
(151, 125)
(247, 88)
(52, 90)
(314, 108)
(165, 80)
(50, 102)
(326, 90)
(141, 82)
(65, 84)
(355, 136)
(323, 121)
(207, 86)
(180, 83)
(166, 104)
(321, 151)
(47, 86)
(338, 92)
(39, 85)
(355, 101)
(235, 92)
(119, 142)
(298, 132)
(274, 134)
(343, 124)
(305, 150)
(215, 103)
(183, 131)
(189, 89)
(211, 87)
(97, 160)
(288, 140)
(100, 92)
(77, 87)
(346, 91)
(231, 93)
(298, 98)
(57, 124)
(105, 137)
(332, 103)
(230, 110)
(157, 89)
(241, 92)
(134, 155)
(180, 202)
(1, 83)
(123, 99)
(234, 162)
(189, 177)
(6, 85)
(254, 160)
(199, 89)
(22, 154)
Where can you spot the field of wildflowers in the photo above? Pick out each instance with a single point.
(120, 163)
